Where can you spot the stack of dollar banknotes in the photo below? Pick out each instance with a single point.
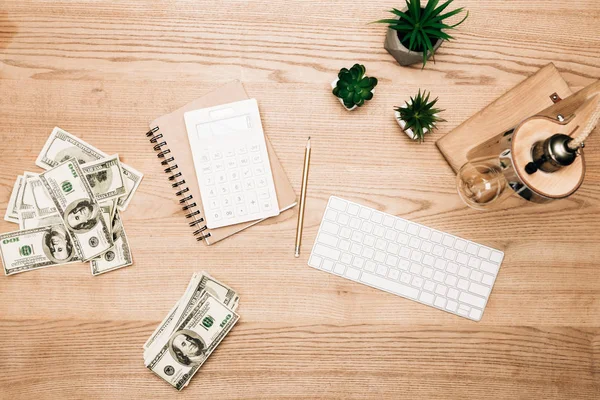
(192, 330)
(70, 212)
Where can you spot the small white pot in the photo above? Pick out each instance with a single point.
(409, 132)
(334, 83)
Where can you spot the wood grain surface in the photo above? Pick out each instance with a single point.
(103, 70)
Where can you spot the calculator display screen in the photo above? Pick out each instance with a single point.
(236, 124)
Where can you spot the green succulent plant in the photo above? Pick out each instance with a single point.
(419, 28)
(353, 87)
(420, 115)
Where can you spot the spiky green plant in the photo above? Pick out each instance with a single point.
(420, 115)
(353, 87)
(419, 28)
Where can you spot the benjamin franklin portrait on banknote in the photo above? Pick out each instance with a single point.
(187, 347)
(57, 245)
(81, 215)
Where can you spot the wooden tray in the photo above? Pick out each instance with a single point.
(528, 98)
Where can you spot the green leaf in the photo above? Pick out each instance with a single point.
(461, 21)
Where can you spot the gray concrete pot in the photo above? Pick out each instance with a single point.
(403, 55)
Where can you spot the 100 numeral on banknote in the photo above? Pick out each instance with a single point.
(79, 209)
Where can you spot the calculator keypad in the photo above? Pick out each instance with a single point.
(236, 186)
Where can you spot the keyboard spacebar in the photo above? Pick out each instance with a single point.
(390, 286)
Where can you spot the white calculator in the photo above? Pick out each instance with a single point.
(232, 163)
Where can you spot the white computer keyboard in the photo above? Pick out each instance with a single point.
(405, 258)
(232, 163)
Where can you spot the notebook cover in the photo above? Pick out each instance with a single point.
(528, 98)
(172, 127)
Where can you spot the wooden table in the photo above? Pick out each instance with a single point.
(102, 70)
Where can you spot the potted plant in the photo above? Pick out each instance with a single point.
(418, 116)
(352, 87)
(417, 32)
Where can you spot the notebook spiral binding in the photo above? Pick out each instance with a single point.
(187, 203)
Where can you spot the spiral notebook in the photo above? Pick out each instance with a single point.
(169, 136)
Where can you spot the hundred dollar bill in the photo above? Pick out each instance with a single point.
(28, 219)
(80, 211)
(42, 202)
(61, 146)
(12, 212)
(199, 284)
(105, 178)
(36, 248)
(25, 199)
(192, 342)
(118, 256)
(107, 209)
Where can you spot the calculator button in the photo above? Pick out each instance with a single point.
(206, 169)
(223, 190)
(241, 210)
(209, 180)
(254, 147)
(229, 153)
(236, 187)
(263, 194)
(242, 150)
(239, 199)
(226, 201)
(231, 163)
(228, 213)
(256, 159)
(261, 182)
(216, 155)
(221, 178)
(219, 166)
(246, 172)
(212, 192)
(214, 204)
(204, 158)
(244, 160)
(259, 171)
(217, 215)
(265, 205)
(249, 184)
(234, 175)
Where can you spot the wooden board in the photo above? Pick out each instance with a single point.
(102, 70)
(522, 101)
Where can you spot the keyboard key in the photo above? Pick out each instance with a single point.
(426, 297)
(436, 237)
(416, 256)
(379, 256)
(484, 253)
(352, 273)
(315, 261)
(428, 260)
(489, 267)
(390, 286)
(476, 275)
(429, 285)
(471, 300)
(346, 258)
(440, 301)
(381, 270)
(412, 229)
(404, 277)
(452, 268)
(328, 239)
(327, 264)
(451, 306)
(366, 227)
(451, 280)
(404, 252)
(339, 268)
(400, 225)
(440, 264)
(368, 252)
(337, 204)
(463, 310)
(474, 262)
(462, 258)
(460, 245)
(364, 213)
(427, 272)
(439, 276)
(328, 252)
(393, 274)
(392, 261)
(496, 257)
(450, 254)
(356, 249)
(357, 236)
(424, 232)
(472, 249)
(462, 284)
(475, 314)
(393, 248)
(377, 217)
(353, 209)
(441, 290)
(402, 239)
(331, 215)
(343, 219)
(464, 272)
(414, 242)
(345, 233)
(388, 221)
(354, 223)
(370, 266)
(452, 293)
(404, 264)
(438, 250)
(448, 241)
(380, 244)
(369, 240)
(426, 247)
(415, 268)
(390, 234)
(487, 279)
(379, 231)
(344, 245)
(417, 281)
(479, 289)
(330, 227)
